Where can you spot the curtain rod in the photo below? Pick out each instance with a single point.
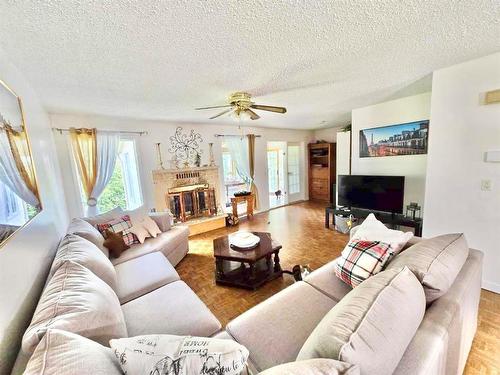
(60, 130)
(234, 135)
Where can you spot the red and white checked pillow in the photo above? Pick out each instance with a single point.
(120, 224)
(361, 259)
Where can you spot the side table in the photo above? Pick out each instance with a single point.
(250, 199)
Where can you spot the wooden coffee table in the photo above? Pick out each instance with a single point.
(247, 269)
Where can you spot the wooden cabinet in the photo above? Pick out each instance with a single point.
(322, 171)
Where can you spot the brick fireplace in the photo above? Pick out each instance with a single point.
(192, 195)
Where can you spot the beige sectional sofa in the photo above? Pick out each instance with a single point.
(149, 292)
(153, 300)
(275, 330)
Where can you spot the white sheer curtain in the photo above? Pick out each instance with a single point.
(238, 148)
(108, 144)
(10, 175)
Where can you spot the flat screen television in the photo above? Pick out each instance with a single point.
(377, 193)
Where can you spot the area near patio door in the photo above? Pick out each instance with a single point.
(283, 170)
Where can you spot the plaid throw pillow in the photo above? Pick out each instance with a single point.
(362, 259)
(121, 224)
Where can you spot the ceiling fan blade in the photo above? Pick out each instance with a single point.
(222, 113)
(269, 108)
(253, 115)
(217, 106)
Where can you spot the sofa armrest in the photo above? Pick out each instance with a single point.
(162, 219)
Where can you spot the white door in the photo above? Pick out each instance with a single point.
(293, 172)
(276, 169)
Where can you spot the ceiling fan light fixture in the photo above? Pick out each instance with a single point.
(242, 108)
(240, 115)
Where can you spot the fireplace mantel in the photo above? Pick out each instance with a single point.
(177, 170)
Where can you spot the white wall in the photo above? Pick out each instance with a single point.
(160, 132)
(461, 130)
(328, 134)
(25, 258)
(413, 167)
(343, 156)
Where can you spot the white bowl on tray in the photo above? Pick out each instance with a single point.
(243, 240)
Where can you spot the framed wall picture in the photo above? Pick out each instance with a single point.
(394, 140)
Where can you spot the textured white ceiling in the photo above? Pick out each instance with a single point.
(160, 59)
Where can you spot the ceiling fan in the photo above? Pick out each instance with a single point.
(240, 104)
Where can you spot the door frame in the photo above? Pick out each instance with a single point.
(299, 195)
(282, 172)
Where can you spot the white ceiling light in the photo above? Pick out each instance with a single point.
(240, 116)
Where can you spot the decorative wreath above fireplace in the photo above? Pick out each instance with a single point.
(185, 146)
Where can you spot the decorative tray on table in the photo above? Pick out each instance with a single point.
(242, 240)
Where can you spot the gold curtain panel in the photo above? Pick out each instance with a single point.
(84, 144)
(251, 158)
(19, 146)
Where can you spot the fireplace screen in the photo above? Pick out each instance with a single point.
(189, 203)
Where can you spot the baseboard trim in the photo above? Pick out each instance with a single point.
(491, 286)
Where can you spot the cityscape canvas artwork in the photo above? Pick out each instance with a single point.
(402, 139)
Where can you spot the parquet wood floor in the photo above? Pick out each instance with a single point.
(300, 229)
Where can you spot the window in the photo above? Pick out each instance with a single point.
(124, 189)
(293, 169)
(12, 204)
(273, 173)
(232, 181)
(14, 211)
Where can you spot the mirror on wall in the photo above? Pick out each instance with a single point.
(19, 198)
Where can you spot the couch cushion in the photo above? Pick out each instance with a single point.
(115, 243)
(142, 275)
(362, 259)
(325, 280)
(165, 242)
(85, 230)
(318, 366)
(274, 330)
(372, 325)
(436, 262)
(165, 354)
(172, 309)
(162, 219)
(223, 335)
(444, 338)
(371, 229)
(121, 224)
(85, 253)
(65, 353)
(76, 300)
(151, 226)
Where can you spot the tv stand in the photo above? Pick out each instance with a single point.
(390, 219)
